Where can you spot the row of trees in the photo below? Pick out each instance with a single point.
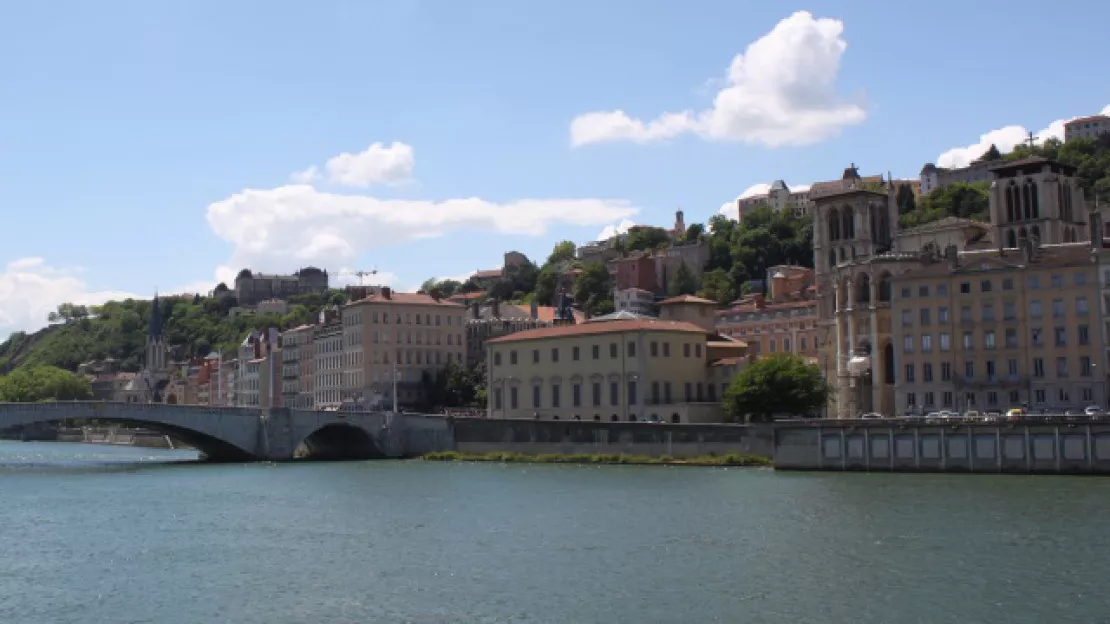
(43, 383)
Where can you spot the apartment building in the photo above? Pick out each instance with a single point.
(622, 370)
(409, 337)
(327, 360)
(985, 330)
(297, 358)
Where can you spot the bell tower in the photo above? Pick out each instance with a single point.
(1039, 200)
(155, 341)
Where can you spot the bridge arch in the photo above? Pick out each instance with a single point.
(219, 434)
(339, 441)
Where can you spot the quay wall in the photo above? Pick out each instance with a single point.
(1022, 447)
(535, 437)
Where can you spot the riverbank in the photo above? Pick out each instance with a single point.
(730, 459)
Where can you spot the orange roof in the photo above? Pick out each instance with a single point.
(687, 299)
(407, 299)
(586, 329)
(478, 294)
(547, 313)
(1087, 119)
(771, 307)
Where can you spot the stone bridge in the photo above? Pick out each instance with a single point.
(246, 434)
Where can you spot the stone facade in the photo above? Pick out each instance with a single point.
(252, 288)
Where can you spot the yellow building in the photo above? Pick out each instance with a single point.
(413, 336)
(989, 332)
(630, 370)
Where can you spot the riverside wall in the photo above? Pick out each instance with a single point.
(535, 437)
(1022, 447)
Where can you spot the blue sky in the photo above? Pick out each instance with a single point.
(157, 145)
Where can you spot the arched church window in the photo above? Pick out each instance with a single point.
(1036, 200)
(848, 228)
(1011, 240)
(834, 225)
(1010, 216)
(1027, 203)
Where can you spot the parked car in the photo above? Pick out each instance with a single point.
(871, 416)
(992, 417)
(1015, 414)
(971, 415)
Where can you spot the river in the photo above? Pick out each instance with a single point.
(101, 534)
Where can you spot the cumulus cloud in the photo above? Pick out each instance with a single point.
(377, 164)
(613, 229)
(30, 289)
(295, 225)
(780, 91)
(1005, 139)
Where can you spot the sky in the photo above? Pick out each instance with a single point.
(162, 146)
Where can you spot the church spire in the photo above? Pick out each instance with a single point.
(155, 330)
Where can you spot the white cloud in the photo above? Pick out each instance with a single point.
(1005, 139)
(377, 164)
(30, 289)
(612, 230)
(282, 228)
(780, 91)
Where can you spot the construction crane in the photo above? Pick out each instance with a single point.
(359, 274)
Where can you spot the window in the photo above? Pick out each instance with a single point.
(689, 392)
(554, 395)
(536, 397)
(1015, 396)
(576, 395)
(685, 349)
(1008, 283)
(1038, 367)
(911, 399)
(942, 290)
(1034, 282)
(497, 398)
(988, 339)
(942, 314)
(1009, 311)
(985, 286)
(906, 292)
(945, 341)
(786, 345)
(513, 397)
(595, 351)
(697, 350)
(1038, 396)
(907, 318)
(1011, 367)
(512, 357)
(969, 369)
(1084, 335)
(667, 391)
(1061, 367)
(1088, 395)
(1060, 334)
(654, 349)
(1035, 337)
(574, 353)
(988, 312)
(946, 371)
(666, 349)
(614, 393)
(497, 359)
(555, 354)
(1057, 281)
(631, 348)
(992, 397)
(909, 373)
(655, 392)
(1085, 366)
(969, 340)
(907, 344)
(1011, 338)
(965, 288)
(991, 371)
(926, 343)
(927, 372)
(1080, 279)
(632, 392)
(965, 314)
(1081, 306)
(947, 399)
(1057, 308)
(535, 352)
(929, 399)
(596, 394)
(1035, 308)
(925, 314)
(923, 291)
(613, 350)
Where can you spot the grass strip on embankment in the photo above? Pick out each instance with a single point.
(731, 459)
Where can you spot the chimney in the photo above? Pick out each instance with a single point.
(534, 309)
(386, 292)
(952, 255)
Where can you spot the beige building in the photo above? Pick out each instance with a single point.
(690, 309)
(769, 328)
(779, 197)
(297, 360)
(988, 331)
(632, 370)
(1087, 127)
(327, 360)
(408, 335)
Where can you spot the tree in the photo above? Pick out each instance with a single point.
(779, 384)
(644, 238)
(695, 232)
(547, 283)
(564, 251)
(992, 153)
(591, 287)
(905, 199)
(718, 286)
(961, 199)
(43, 383)
(683, 282)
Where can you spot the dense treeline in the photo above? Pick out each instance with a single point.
(43, 383)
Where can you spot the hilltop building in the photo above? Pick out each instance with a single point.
(1087, 127)
(252, 288)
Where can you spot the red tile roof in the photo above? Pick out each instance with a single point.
(545, 313)
(407, 299)
(687, 299)
(470, 296)
(611, 327)
(1088, 119)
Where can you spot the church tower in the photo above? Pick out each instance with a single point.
(1039, 200)
(155, 342)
